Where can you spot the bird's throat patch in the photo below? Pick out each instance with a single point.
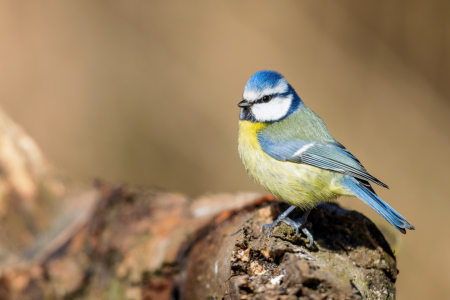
(248, 132)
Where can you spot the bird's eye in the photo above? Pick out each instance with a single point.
(266, 98)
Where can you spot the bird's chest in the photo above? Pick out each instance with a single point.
(261, 167)
(289, 181)
(249, 148)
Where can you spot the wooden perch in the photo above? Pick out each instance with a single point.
(122, 242)
(349, 260)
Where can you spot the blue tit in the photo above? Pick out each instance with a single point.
(287, 149)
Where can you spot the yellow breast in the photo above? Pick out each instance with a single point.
(297, 184)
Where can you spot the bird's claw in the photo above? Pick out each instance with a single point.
(297, 226)
(300, 224)
(309, 235)
(270, 227)
(293, 224)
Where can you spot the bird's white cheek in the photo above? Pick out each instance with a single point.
(271, 111)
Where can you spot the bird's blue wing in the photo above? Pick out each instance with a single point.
(330, 156)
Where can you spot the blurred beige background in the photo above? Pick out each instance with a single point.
(145, 92)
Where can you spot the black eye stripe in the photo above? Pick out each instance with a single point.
(273, 96)
(260, 100)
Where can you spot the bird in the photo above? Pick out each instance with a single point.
(288, 150)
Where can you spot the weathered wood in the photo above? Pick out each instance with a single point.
(62, 241)
(350, 259)
(143, 244)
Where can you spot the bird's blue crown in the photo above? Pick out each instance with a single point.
(268, 98)
(263, 80)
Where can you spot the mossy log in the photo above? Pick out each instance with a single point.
(64, 241)
(144, 244)
(350, 259)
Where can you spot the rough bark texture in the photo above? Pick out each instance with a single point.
(350, 259)
(144, 244)
(61, 241)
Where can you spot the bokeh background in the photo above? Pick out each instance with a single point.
(145, 92)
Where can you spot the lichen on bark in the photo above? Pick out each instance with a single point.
(350, 259)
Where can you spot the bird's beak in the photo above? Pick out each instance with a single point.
(244, 104)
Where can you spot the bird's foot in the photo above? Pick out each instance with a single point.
(300, 225)
(269, 227)
(278, 220)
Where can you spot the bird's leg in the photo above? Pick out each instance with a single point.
(301, 224)
(279, 219)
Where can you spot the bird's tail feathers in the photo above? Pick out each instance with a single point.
(378, 205)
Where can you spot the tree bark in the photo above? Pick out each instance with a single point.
(63, 241)
(350, 258)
